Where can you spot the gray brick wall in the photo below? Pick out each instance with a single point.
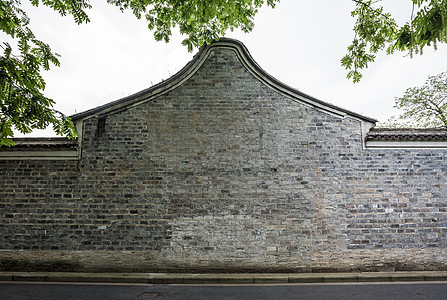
(225, 173)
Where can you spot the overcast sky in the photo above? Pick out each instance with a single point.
(299, 42)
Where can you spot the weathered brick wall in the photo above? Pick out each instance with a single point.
(225, 173)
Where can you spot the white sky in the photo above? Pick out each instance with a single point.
(299, 42)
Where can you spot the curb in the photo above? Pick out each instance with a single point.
(174, 278)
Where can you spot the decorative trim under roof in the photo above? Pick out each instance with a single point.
(193, 66)
(407, 138)
(416, 134)
(42, 143)
(41, 149)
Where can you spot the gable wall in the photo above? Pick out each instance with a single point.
(224, 173)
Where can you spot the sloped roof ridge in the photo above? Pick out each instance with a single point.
(192, 66)
(129, 98)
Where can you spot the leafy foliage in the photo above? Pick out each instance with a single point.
(424, 106)
(201, 21)
(22, 104)
(376, 30)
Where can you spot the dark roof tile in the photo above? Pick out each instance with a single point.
(32, 144)
(407, 134)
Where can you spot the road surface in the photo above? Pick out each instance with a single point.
(404, 291)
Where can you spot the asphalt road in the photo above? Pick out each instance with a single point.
(406, 291)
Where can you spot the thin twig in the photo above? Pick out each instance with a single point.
(372, 9)
(412, 12)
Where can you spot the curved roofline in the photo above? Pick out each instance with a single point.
(194, 65)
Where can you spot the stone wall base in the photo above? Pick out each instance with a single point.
(428, 259)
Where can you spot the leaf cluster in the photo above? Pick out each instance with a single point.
(201, 21)
(376, 30)
(424, 106)
(23, 106)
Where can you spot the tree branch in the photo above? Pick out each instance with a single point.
(371, 9)
(441, 114)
